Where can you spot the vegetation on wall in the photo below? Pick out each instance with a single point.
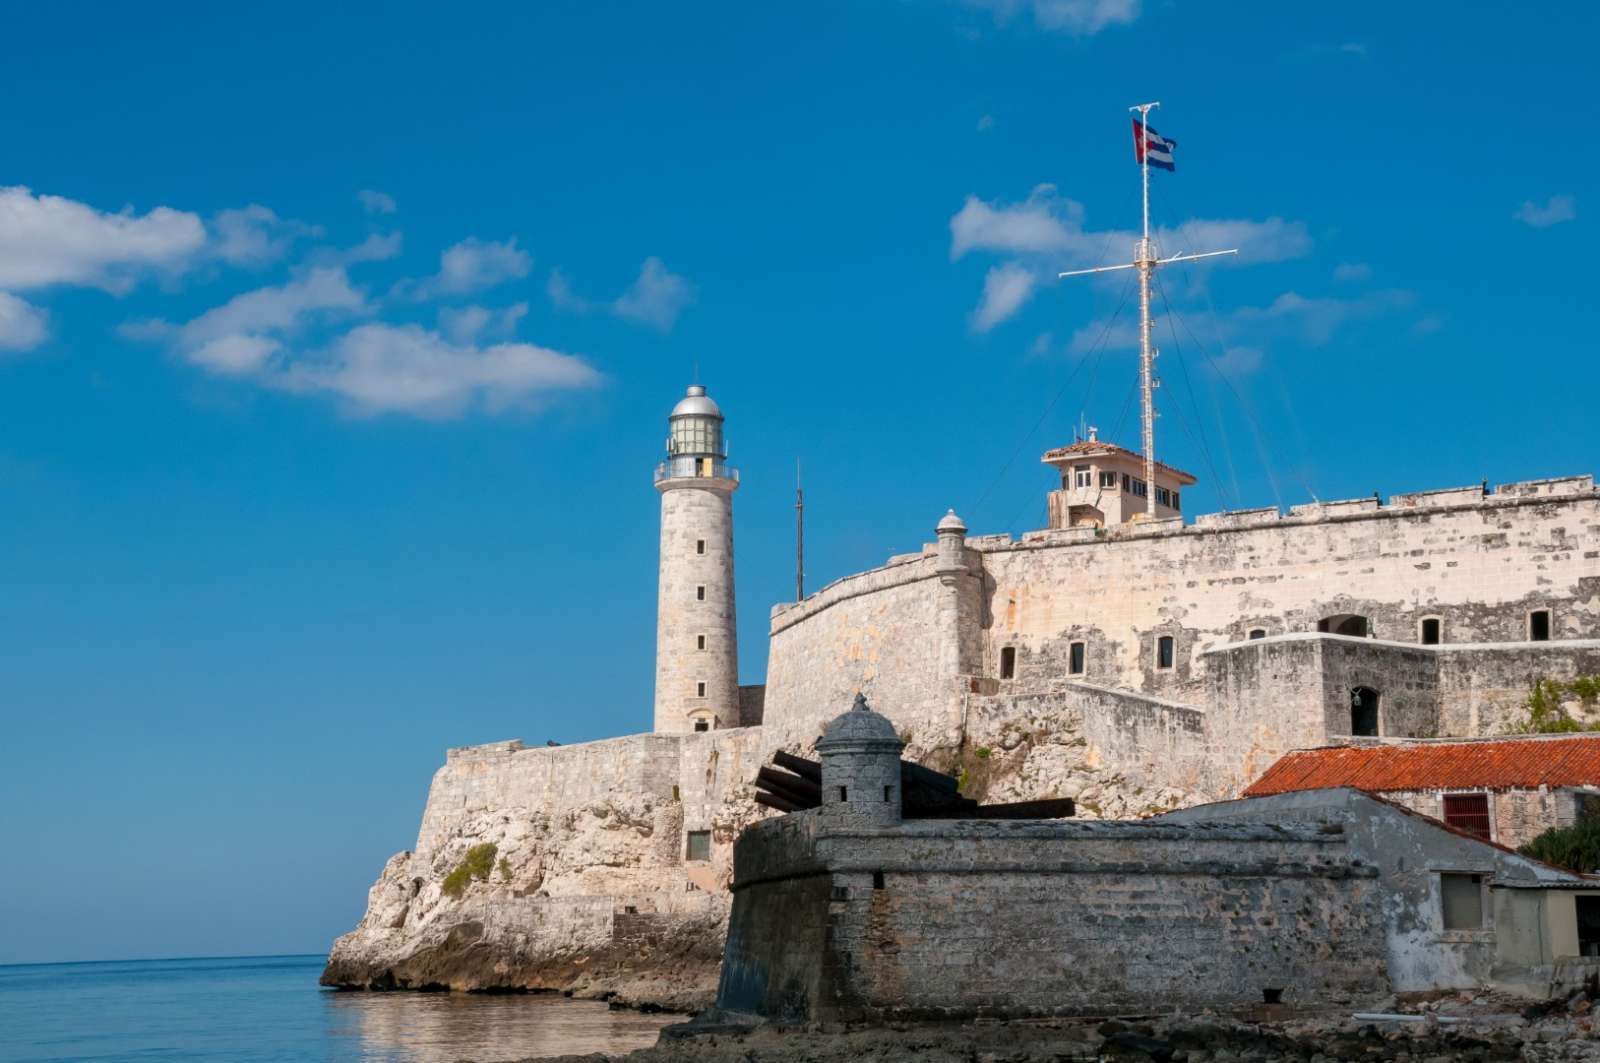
(1547, 714)
(1576, 848)
(477, 865)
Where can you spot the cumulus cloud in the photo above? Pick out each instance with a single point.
(1005, 289)
(1078, 18)
(562, 297)
(380, 368)
(1552, 211)
(377, 247)
(376, 202)
(466, 323)
(656, 298)
(470, 266)
(254, 236)
(242, 335)
(1290, 319)
(1045, 234)
(23, 326)
(48, 240)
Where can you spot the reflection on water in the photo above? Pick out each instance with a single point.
(445, 1027)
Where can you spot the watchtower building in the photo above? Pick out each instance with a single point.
(697, 654)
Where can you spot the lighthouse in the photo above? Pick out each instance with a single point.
(697, 652)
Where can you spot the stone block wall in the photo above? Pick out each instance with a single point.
(962, 919)
(1516, 816)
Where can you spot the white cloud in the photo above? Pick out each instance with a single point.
(376, 202)
(1553, 211)
(1352, 272)
(1290, 319)
(562, 297)
(656, 298)
(47, 240)
(377, 247)
(1045, 234)
(467, 323)
(254, 236)
(473, 265)
(380, 368)
(1078, 18)
(1005, 289)
(23, 326)
(242, 335)
(234, 354)
(279, 309)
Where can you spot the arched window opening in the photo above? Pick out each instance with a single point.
(1431, 630)
(1258, 633)
(1364, 712)
(1352, 624)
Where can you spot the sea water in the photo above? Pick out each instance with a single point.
(270, 1008)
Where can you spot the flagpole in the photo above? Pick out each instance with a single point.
(1146, 262)
(1145, 258)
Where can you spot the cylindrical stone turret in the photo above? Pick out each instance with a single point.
(697, 653)
(952, 568)
(860, 769)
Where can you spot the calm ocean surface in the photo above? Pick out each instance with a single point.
(270, 1008)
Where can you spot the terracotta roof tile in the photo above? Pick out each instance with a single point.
(1494, 764)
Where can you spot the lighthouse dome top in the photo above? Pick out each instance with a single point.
(696, 403)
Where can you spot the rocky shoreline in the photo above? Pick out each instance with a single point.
(1478, 1028)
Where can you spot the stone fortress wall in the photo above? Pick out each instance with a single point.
(1478, 562)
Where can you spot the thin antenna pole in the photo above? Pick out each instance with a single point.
(1146, 263)
(799, 536)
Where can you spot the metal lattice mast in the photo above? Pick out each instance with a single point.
(1146, 262)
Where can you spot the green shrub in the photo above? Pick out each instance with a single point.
(505, 870)
(982, 752)
(477, 865)
(1576, 848)
(1545, 714)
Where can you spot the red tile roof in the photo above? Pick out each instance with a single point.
(1091, 447)
(1494, 764)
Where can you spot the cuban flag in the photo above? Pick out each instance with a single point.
(1148, 145)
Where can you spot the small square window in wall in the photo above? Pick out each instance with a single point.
(1164, 651)
(1108, 479)
(1430, 630)
(1461, 898)
(1539, 625)
(700, 593)
(1075, 658)
(702, 725)
(698, 846)
(1258, 633)
(1468, 812)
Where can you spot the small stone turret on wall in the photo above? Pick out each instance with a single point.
(860, 769)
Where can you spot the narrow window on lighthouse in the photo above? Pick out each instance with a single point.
(699, 642)
(699, 690)
(699, 546)
(700, 593)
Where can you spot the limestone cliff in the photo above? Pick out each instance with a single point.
(587, 890)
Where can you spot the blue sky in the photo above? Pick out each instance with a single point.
(336, 344)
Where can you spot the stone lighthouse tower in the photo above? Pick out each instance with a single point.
(697, 653)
